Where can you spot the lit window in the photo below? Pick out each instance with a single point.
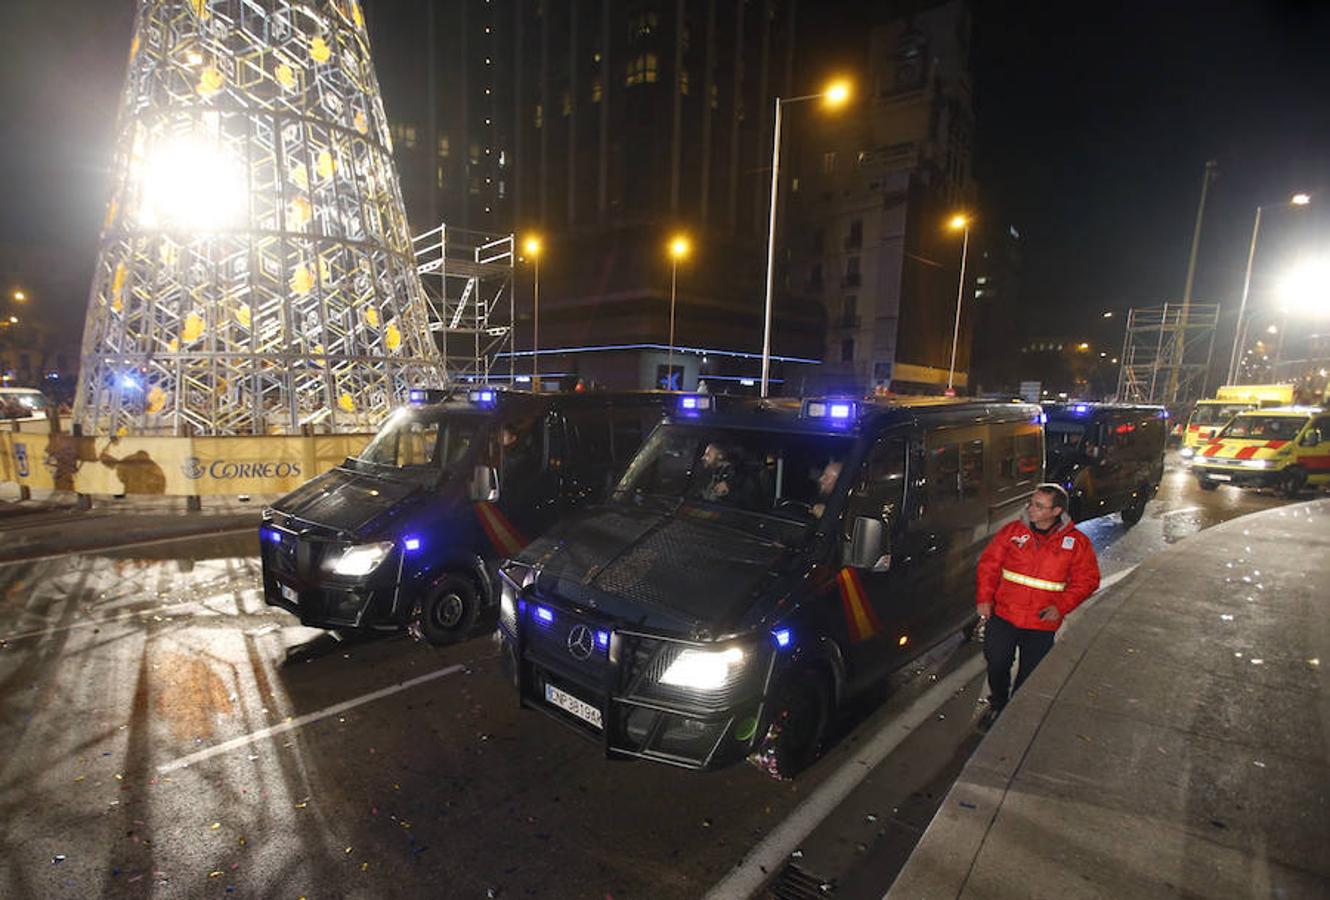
(829, 162)
(438, 176)
(597, 89)
(445, 146)
(715, 96)
(642, 70)
(540, 116)
(409, 136)
(683, 82)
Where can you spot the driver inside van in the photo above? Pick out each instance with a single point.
(718, 469)
(826, 483)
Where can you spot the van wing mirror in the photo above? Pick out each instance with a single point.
(870, 543)
(484, 484)
(1312, 437)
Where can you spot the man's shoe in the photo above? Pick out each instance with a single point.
(987, 719)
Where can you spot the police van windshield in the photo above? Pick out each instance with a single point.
(412, 441)
(780, 473)
(1212, 414)
(1267, 428)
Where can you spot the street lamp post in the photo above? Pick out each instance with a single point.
(1239, 329)
(678, 250)
(532, 247)
(957, 223)
(835, 95)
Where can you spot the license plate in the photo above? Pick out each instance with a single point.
(568, 703)
(289, 593)
(1219, 477)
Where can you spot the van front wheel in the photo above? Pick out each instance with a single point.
(1291, 482)
(1133, 512)
(448, 612)
(798, 726)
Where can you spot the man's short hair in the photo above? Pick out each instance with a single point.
(1057, 493)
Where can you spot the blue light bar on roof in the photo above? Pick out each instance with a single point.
(421, 396)
(692, 404)
(837, 412)
(1080, 409)
(483, 397)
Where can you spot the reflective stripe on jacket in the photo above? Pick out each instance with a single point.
(1022, 572)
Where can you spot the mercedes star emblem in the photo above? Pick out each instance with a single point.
(581, 642)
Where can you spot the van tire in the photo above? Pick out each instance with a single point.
(1133, 512)
(1291, 482)
(448, 612)
(798, 726)
(1207, 485)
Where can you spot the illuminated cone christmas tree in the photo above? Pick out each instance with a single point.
(255, 271)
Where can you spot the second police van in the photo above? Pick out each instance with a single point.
(410, 531)
(755, 569)
(1108, 456)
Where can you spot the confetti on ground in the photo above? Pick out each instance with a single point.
(58, 858)
(968, 805)
(215, 873)
(215, 825)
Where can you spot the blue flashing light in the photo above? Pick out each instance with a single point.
(483, 397)
(603, 639)
(271, 534)
(545, 615)
(693, 404)
(412, 543)
(415, 397)
(782, 636)
(521, 606)
(130, 383)
(837, 412)
(1041, 419)
(1080, 409)
(1163, 414)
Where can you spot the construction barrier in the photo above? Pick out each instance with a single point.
(170, 466)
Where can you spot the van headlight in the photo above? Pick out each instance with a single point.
(1187, 452)
(360, 559)
(704, 670)
(507, 605)
(1258, 463)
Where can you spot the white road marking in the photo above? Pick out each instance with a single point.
(768, 858)
(300, 721)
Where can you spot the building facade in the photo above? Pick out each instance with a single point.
(872, 194)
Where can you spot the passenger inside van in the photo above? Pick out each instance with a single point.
(826, 483)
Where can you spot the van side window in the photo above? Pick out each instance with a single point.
(1029, 459)
(881, 486)
(589, 429)
(1323, 423)
(943, 470)
(972, 470)
(626, 432)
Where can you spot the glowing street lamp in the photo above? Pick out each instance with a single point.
(1239, 329)
(958, 222)
(1305, 290)
(679, 248)
(834, 95)
(532, 247)
(20, 297)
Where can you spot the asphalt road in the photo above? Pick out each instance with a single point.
(166, 734)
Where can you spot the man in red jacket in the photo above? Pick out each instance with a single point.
(1035, 571)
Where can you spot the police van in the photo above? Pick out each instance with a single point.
(1109, 456)
(755, 569)
(409, 532)
(1285, 448)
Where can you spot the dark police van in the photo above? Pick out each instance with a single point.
(410, 531)
(1109, 456)
(756, 568)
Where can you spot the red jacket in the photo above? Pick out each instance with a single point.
(1021, 572)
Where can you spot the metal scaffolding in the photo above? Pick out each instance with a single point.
(468, 280)
(1166, 353)
(255, 273)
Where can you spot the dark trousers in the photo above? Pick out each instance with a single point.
(1001, 640)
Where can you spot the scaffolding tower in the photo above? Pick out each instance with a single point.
(468, 281)
(1167, 352)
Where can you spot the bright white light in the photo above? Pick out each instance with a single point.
(191, 183)
(1305, 290)
(703, 670)
(362, 559)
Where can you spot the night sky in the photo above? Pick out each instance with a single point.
(1092, 136)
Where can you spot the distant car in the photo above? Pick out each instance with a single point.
(409, 532)
(22, 404)
(1109, 456)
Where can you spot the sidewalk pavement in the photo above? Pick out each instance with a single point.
(51, 523)
(1175, 744)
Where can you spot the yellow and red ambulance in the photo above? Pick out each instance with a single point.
(1286, 448)
(1209, 416)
